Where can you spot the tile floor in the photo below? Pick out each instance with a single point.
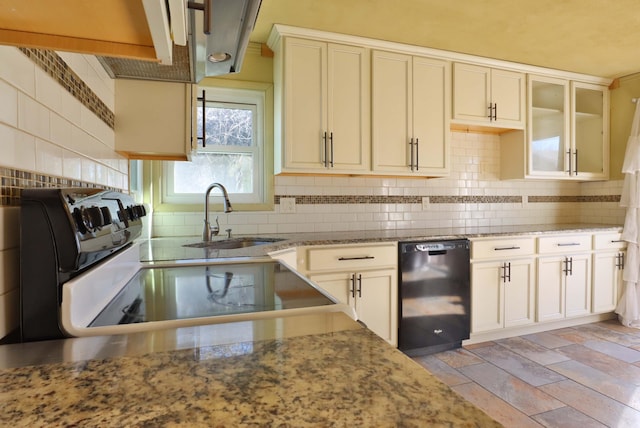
(584, 376)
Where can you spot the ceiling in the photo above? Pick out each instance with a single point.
(598, 37)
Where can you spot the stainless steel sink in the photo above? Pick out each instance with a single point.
(233, 243)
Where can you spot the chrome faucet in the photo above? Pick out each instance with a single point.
(210, 231)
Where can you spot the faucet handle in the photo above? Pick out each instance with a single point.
(228, 233)
(215, 229)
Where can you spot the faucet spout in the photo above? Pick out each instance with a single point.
(210, 231)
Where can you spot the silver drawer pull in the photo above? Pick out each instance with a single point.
(569, 244)
(617, 241)
(356, 258)
(505, 248)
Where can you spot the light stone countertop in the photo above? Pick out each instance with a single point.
(168, 249)
(309, 371)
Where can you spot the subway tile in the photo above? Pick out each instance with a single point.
(21, 73)
(48, 158)
(9, 104)
(33, 117)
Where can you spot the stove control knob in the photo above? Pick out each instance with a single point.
(91, 217)
(106, 216)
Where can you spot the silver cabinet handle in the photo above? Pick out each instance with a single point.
(352, 289)
(331, 148)
(576, 153)
(359, 285)
(411, 154)
(568, 244)
(356, 258)
(417, 154)
(324, 149)
(506, 248)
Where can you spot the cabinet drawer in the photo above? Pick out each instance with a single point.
(351, 257)
(605, 241)
(502, 248)
(564, 244)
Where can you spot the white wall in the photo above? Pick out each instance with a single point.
(475, 171)
(46, 130)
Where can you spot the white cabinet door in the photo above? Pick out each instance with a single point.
(373, 295)
(578, 286)
(410, 126)
(590, 131)
(348, 108)
(487, 297)
(325, 118)
(377, 302)
(508, 96)
(502, 294)
(550, 288)
(431, 99)
(339, 285)
(305, 104)
(488, 97)
(564, 286)
(519, 293)
(607, 280)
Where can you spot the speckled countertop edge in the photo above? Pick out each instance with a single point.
(346, 378)
(164, 249)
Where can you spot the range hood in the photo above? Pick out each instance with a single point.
(222, 50)
(230, 24)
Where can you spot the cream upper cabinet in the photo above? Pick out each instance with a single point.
(568, 135)
(409, 104)
(154, 120)
(488, 97)
(322, 114)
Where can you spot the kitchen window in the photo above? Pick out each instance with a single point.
(233, 152)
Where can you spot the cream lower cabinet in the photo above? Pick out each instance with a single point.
(322, 107)
(502, 283)
(564, 278)
(364, 277)
(410, 98)
(608, 264)
(372, 294)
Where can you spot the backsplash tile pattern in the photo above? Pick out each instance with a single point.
(12, 181)
(56, 129)
(471, 196)
(57, 68)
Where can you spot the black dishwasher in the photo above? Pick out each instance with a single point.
(434, 296)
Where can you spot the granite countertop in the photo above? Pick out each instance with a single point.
(296, 371)
(170, 249)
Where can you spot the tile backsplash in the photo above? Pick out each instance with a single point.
(56, 129)
(473, 195)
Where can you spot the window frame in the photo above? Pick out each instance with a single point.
(235, 90)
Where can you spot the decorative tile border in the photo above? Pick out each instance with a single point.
(12, 181)
(55, 66)
(595, 198)
(379, 199)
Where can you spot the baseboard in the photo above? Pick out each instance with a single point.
(535, 328)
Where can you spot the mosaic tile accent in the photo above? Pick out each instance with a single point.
(55, 66)
(12, 181)
(594, 198)
(470, 199)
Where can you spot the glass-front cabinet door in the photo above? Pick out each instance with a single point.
(568, 135)
(549, 142)
(589, 131)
